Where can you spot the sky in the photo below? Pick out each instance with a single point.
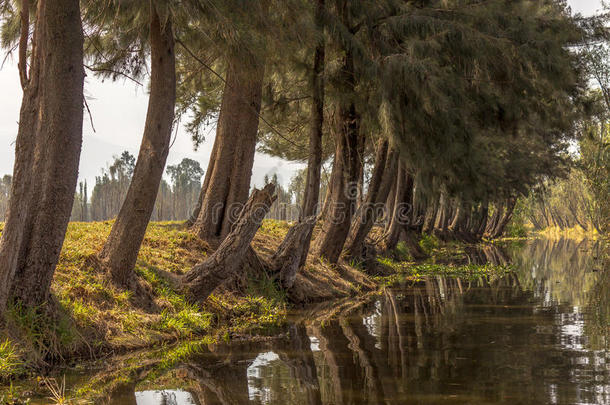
(118, 111)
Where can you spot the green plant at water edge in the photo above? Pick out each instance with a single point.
(429, 243)
(10, 362)
(402, 252)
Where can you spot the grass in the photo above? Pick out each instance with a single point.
(10, 363)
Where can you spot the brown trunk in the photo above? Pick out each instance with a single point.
(227, 179)
(430, 216)
(47, 153)
(342, 203)
(386, 163)
(314, 164)
(292, 251)
(224, 263)
(402, 207)
(506, 217)
(121, 249)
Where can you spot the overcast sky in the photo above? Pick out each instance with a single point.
(119, 110)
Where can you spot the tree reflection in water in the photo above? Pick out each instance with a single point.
(538, 335)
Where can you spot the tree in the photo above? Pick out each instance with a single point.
(120, 251)
(47, 152)
(186, 182)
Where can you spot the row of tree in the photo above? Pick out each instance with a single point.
(175, 200)
(455, 107)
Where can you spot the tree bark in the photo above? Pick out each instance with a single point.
(120, 251)
(47, 153)
(402, 207)
(505, 219)
(372, 208)
(292, 251)
(342, 203)
(227, 180)
(314, 164)
(203, 279)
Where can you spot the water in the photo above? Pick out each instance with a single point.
(538, 336)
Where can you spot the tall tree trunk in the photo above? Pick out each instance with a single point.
(227, 180)
(314, 163)
(342, 203)
(349, 143)
(402, 207)
(121, 249)
(384, 173)
(47, 153)
(301, 240)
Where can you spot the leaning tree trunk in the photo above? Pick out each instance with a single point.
(227, 180)
(289, 255)
(47, 153)
(121, 249)
(402, 208)
(505, 219)
(372, 208)
(225, 262)
(314, 165)
(342, 203)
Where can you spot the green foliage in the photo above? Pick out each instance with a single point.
(10, 361)
(429, 243)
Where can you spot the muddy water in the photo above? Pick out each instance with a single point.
(538, 336)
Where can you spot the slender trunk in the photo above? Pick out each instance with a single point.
(314, 164)
(384, 172)
(121, 249)
(342, 203)
(402, 207)
(227, 181)
(349, 143)
(506, 217)
(47, 153)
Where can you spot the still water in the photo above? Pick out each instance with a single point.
(538, 336)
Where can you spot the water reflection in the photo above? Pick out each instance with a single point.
(538, 336)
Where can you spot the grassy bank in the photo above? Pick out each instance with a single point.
(93, 319)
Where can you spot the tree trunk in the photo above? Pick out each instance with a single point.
(47, 153)
(506, 217)
(314, 164)
(227, 180)
(348, 161)
(402, 207)
(224, 263)
(386, 163)
(342, 203)
(292, 251)
(121, 249)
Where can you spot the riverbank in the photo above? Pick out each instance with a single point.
(92, 319)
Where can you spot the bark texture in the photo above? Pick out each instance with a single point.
(224, 263)
(227, 180)
(120, 251)
(292, 251)
(47, 153)
(402, 207)
(349, 148)
(384, 172)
